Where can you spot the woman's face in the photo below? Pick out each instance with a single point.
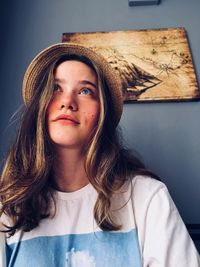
(73, 112)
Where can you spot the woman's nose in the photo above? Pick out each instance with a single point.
(68, 101)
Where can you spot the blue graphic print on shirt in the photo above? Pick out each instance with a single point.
(98, 249)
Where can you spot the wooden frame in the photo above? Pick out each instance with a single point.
(143, 2)
(155, 65)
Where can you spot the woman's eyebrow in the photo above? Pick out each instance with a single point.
(88, 82)
(57, 80)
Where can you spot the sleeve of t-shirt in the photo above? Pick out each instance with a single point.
(2, 249)
(166, 240)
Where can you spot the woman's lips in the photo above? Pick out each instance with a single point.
(66, 119)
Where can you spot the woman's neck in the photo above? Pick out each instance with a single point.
(69, 172)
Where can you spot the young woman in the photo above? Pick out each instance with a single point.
(70, 194)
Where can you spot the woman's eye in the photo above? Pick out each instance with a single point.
(86, 91)
(56, 87)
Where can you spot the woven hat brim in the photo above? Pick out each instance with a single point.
(46, 57)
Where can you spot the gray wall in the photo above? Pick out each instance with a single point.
(167, 135)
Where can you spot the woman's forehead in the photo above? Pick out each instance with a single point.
(73, 69)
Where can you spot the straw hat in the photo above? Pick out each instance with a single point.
(46, 57)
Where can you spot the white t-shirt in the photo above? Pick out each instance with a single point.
(152, 234)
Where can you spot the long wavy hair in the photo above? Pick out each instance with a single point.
(26, 190)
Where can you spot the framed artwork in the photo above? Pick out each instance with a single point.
(154, 65)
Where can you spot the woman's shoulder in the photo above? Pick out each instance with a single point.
(143, 186)
(147, 185)
(144, 190)
(147, 191)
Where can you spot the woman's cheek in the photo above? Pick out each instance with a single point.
(93, 117)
